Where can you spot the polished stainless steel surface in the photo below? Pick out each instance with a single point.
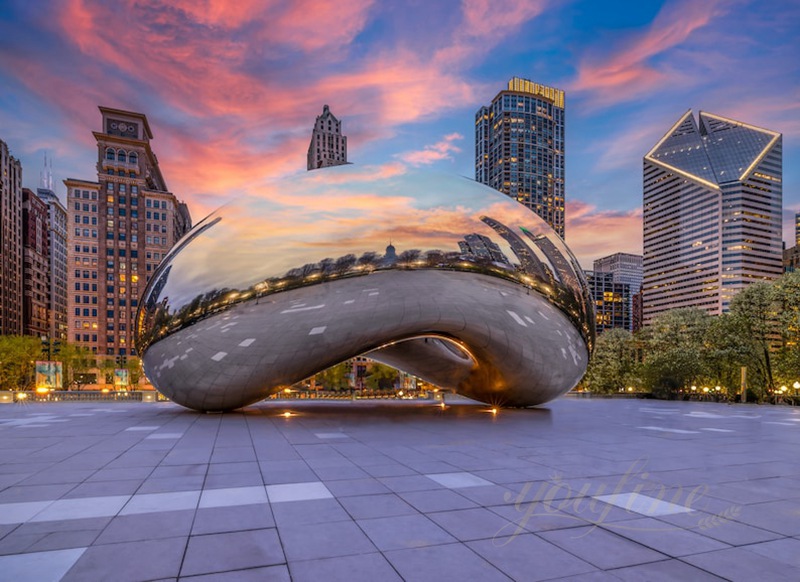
(436, 275)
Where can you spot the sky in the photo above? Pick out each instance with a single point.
(232, 89)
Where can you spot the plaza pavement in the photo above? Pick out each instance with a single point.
(581, 489)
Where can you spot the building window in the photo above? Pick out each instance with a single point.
(121, 156)
(133, 158)
(109, 154)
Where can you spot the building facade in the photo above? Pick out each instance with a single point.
(712, 213)
(35, 266)
(10, 243)
(791, 259)
(120, 227)
(57, 259)
(797, 228)
(613, 301)
(519, 148)
(328, 146)
(624, 268)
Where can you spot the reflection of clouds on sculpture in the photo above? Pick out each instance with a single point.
(333, 236)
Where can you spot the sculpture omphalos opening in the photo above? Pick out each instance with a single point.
(436, 275)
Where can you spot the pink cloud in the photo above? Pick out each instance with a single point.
(485, 23)
(441, 150)
(627, 72)
(593, 233)
(486, 17)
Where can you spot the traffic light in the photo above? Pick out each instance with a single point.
(119, 361)
(56, 347)
(46, 346)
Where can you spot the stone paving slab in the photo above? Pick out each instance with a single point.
(582, 489)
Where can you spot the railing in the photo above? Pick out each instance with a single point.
(88, 396)
(351, 395)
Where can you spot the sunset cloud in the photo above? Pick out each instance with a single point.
(630, 69)
(231, 89)
(441, 150)
(593, 233)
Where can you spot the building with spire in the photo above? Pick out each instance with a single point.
(712, 213)
(10, 243)
(328, 146)
(120, 228)
(519, 148)
(57, 256)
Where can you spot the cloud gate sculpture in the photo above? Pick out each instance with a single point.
(436, 275)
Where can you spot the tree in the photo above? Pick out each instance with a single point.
(755, 311)
(18, 355)
(787, 297)
(134, 366)
(380, 376)
(336, 377)
(675, 351)
(77, 362)
(613, 365)
(725, 351)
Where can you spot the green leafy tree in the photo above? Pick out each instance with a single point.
(787, 359)
(675, 351)
(755, 310)
(77, 362)
(613, 365)
(726, 350)
(18, 355)
(336, 377)
(134, 366)
(380, 376)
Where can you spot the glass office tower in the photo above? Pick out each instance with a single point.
(519, 147)
(712, 213)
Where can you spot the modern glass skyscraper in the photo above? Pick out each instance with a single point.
(519, 147)
(612, 301)
(625, 269)
(712, 213)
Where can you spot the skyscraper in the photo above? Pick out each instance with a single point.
(712, 213)
(120, 228)
(613, 305)
(624, 269)
(10, 243)
(35, 266)
(519, 147)
(57, 246)
(797, 228)
(328, 146)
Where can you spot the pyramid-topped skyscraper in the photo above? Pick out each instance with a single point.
(712, 213)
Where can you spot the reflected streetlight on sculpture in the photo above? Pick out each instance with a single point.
(436, 275)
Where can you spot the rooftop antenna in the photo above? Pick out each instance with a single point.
(46, 175)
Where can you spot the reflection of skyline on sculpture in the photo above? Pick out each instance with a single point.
(348, 224)
(452, 231)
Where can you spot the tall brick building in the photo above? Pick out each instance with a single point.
(119, 229)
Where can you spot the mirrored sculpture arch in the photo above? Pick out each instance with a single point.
(436, 275)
